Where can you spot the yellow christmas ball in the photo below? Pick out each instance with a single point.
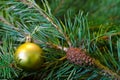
(29, 56)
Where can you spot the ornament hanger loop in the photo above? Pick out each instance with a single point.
(28, 38)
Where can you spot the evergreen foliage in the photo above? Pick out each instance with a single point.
(92, 25)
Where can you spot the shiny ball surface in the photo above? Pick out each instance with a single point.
(28, 56)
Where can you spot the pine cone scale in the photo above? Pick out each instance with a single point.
(79, 57)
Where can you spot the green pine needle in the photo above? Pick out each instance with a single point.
(59, 24)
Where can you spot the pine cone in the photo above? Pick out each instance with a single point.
(79, 57)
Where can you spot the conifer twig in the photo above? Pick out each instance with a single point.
(51, 21)
(64, 57)
(6, 22)
(105, 37)
(96, 63)
(106, 69)
(57, 47)
(57, 27)
(2, 19)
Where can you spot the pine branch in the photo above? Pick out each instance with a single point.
(9, 24)
(55, 46)
(52, 22)
(105, 36)
(96, 62)
(106, 70)
(7, 67)
(75, 33)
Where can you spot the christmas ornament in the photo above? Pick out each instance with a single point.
(78, 56)
(28, 56)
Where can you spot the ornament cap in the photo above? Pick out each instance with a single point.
(29, 38)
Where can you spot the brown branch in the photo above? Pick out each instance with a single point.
(56, 26)
(105, 37)
(1, 42)
(9, 65)
(57, 47)
(95, 61)
(114, 34)
(106, 69)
